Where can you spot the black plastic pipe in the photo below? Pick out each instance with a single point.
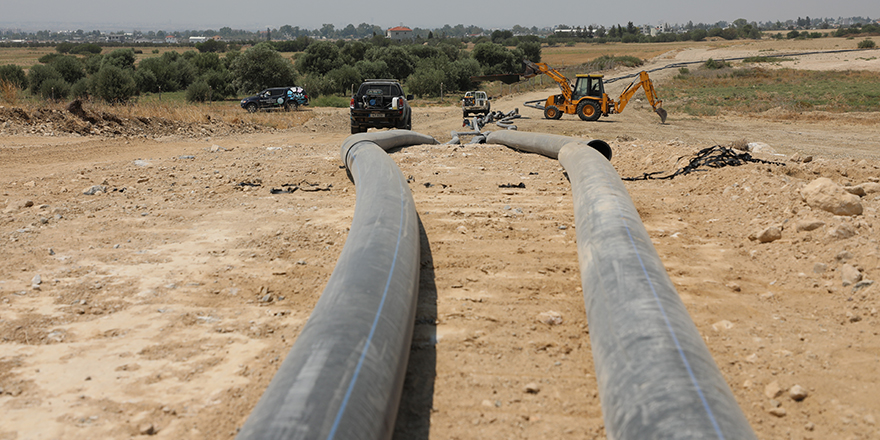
(657, 378)
(343, 377)
(544, 144)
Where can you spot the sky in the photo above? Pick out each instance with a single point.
(174, 15)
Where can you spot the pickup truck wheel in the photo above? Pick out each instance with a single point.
(251, 108)
(464, 114)
(408, 125)
(287, 106)
(588, 110)
(552, 112)
(355, 129)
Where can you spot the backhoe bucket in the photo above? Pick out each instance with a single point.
(662, 114)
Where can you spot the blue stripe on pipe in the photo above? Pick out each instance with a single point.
(669, 326)
(375, 319)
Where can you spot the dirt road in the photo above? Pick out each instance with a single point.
(162, 304)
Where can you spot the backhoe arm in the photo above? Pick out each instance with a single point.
(644, 82)
(533, 69)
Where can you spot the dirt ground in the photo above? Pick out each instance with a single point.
(162, 304)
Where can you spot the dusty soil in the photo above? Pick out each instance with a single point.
(162, 305)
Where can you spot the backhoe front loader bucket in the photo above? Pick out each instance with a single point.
(660, 111)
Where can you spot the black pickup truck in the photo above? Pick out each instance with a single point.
(380, 103)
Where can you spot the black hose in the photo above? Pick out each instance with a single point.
(343, 377)
(657, 379)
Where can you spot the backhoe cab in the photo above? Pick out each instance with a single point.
(587, 97)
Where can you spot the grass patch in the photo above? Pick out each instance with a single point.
(754, 90)
(608, 62)
(331, 101)
(765, 59)
(9, 92)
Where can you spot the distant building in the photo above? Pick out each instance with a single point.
(171, 39)
(399, 33)
(115, 38)
(652, 31)
(198, 39)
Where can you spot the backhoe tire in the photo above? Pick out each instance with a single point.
(552, 112)
(588, 110)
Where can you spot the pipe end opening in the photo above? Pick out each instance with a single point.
(602, 147)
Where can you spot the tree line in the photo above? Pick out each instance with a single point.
(216, 71)
(286, 32)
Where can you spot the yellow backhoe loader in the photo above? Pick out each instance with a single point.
(587, 97)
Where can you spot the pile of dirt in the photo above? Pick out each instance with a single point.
(75, 120)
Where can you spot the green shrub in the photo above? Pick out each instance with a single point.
(146, 81)
(400, 62)
(121, 58)
(65, 47)
(70, 68)
(211, 46)
(867, 44)
(198, 91)
(14, 75)
(55, 89)
(683, 72)
(261, 67)
(40, 73)
(606, 62)
(220, 82)
(372, 69)
(459, 74)
(114, 85)
(496, 59)
(49, 57)
(715, 64)
(426, 82)
(86, 48)
(531, 50)
(93, 63)
(317, 85)
(80, 89)
(344, 78)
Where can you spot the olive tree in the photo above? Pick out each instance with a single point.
(496, 59)
(14, 75)
(261, 67)
(39, 73)
(113, 84)
(320, 58)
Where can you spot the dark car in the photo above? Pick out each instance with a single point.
(380, 103)
(283, 98)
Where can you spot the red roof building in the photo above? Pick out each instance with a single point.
(399, 33)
